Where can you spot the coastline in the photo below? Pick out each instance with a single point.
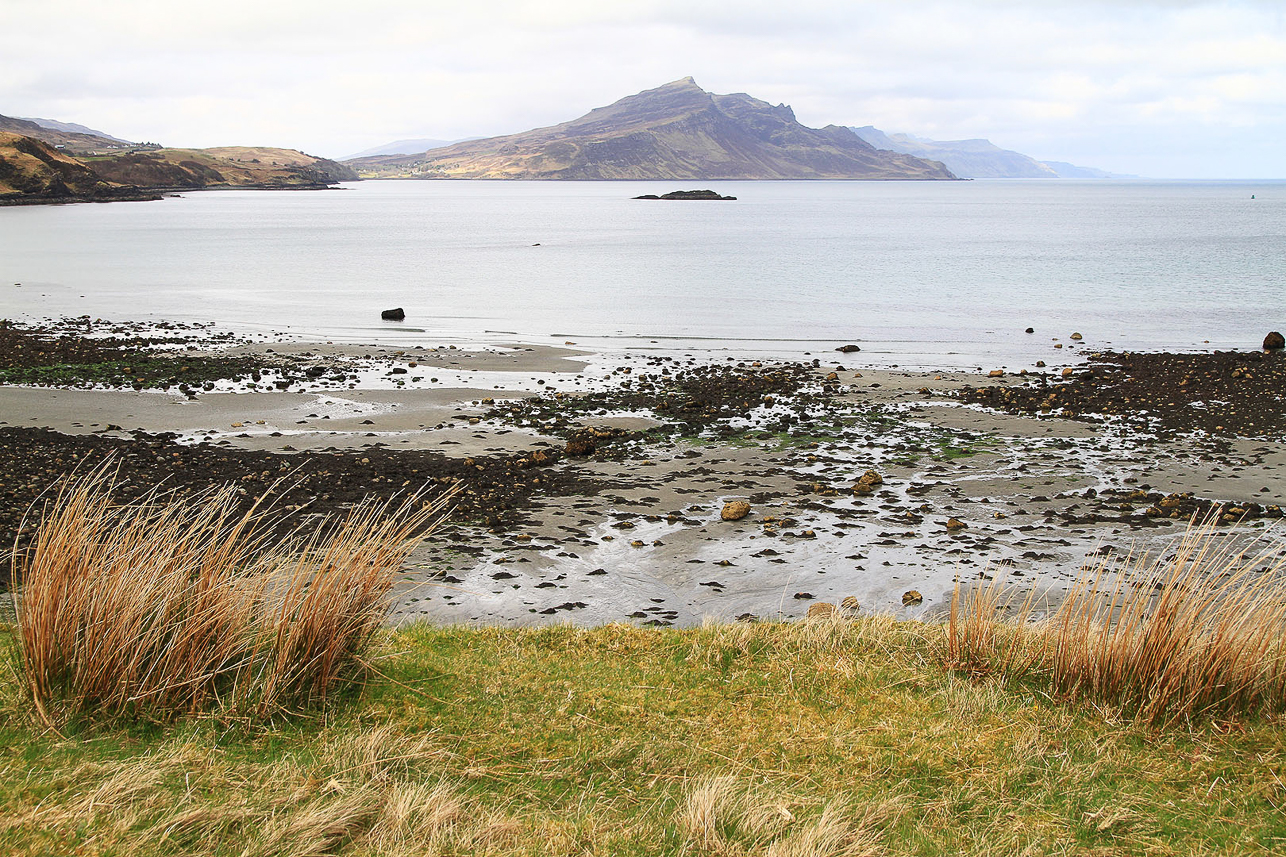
(629, 529)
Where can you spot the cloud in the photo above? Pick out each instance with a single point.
(1055, 79)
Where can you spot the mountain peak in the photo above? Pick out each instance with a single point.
(675, 131)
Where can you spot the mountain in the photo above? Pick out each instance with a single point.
(980, 159)
(676, 131)
(72, 128)
(33, 171)
(225, 166)
(406, 147)
(1071, 171)
(76, 142)
(973, 159)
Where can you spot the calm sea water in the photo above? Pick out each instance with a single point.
(922, 273)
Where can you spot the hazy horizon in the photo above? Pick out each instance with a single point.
(1158, 88)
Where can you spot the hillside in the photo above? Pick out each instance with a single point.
(31, 170)
(225, 166)
(73, 142)
(677, 131)
(974, 159)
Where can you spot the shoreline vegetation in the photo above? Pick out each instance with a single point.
(1138, 711)
(835, 735)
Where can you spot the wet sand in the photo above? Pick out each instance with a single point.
(647, 543)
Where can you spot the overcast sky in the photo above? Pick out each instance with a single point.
(1167, 88)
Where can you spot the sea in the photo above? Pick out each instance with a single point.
(917, 274)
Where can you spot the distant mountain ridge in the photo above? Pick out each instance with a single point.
(406, 147)
(72, 128)
(978, 158)
(676, 131)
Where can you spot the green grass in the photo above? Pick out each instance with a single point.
(821, 737)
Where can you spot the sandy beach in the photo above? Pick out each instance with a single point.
(628, 527)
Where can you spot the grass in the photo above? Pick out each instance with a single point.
(171, 605)
(828, 737)
(813, 738)
(1195, 635)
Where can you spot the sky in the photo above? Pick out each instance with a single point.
(1159, 88)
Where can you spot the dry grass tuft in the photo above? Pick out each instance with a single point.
(978, 643)
(722, 815)
(1197, 634)
(170, 606)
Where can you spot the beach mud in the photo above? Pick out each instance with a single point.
(593, 485)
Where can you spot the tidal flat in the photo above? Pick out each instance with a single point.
(593, 483)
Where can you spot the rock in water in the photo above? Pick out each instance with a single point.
(393, 314)
(687, 194)
(1274, 341)
(735, 510)
(848, 349)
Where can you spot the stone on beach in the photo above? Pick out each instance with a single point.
(735, 510)
(911, 597)
(1274, 341)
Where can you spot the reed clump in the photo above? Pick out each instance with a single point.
(1197, 634)
(172, 605)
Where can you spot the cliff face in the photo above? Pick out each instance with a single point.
(677, 131)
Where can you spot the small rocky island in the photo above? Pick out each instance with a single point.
(686, 194)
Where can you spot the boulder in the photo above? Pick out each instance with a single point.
(735, 510)
(821, 610)
(848, 349)
(1274, 341)
(397, 314)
